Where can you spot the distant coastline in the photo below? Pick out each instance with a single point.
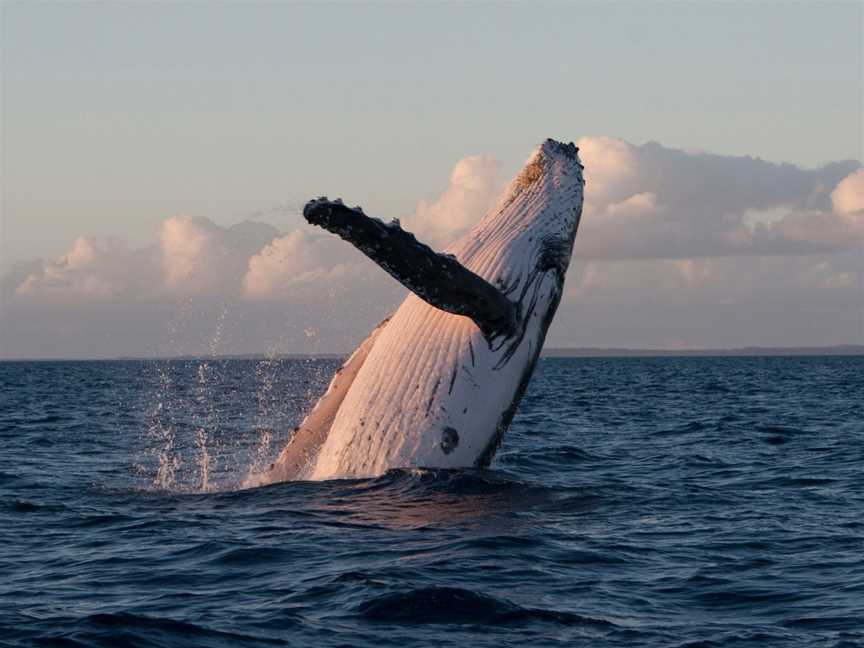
(615, 352)
(579, 352)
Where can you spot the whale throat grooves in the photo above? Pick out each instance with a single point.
(438, 279)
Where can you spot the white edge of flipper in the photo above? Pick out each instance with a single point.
(296, 459)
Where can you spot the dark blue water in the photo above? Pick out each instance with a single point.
(636, 502)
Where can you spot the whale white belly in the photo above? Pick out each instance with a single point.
(431, 393)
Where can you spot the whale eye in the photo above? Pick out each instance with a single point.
(449, 440)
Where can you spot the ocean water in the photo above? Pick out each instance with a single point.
(635, 502)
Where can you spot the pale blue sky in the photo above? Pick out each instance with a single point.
(120, 120)
(116, 116)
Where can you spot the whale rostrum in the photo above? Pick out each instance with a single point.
(437, 384)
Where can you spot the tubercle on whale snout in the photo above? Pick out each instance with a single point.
(569, 150)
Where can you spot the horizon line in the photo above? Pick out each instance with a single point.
(552, 352)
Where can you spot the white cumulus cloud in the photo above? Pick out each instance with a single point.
(475, 183)
(289, 261)
(848, 198)
(91, 269)
(675, 248)
(199, 257)
(650, 201)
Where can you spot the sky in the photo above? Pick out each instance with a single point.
(155, 158)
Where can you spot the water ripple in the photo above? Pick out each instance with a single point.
(643, 502)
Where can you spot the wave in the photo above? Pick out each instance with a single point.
(26, 506)
(126, 629)
(460, 606)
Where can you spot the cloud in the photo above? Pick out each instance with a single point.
(287, 262)
(610, 169)
(848, 198)
(190, 257)
(90, 270)
(778, 300)
(475, 183)
(641, 202)
(675, 248)
(715, 279)
(198, 257)
(650, 201)
(250, 260)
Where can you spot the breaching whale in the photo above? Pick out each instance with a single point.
(436, 385)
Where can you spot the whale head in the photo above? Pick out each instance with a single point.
(530, 231)
(547, 198)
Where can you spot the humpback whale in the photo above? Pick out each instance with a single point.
(436, 385)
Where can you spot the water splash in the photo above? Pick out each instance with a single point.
(203, 460)
(208, 440)
(182, 421)
(265, 373)
(206, 381)
(162, 424)
(168, 463)
(187, 447)
(275, 413)
(203, 439)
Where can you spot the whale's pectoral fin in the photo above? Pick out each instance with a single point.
(439, 279)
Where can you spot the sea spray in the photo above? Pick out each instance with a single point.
(161, 428)
(199, 436)
(265, 376)
(208, 420)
